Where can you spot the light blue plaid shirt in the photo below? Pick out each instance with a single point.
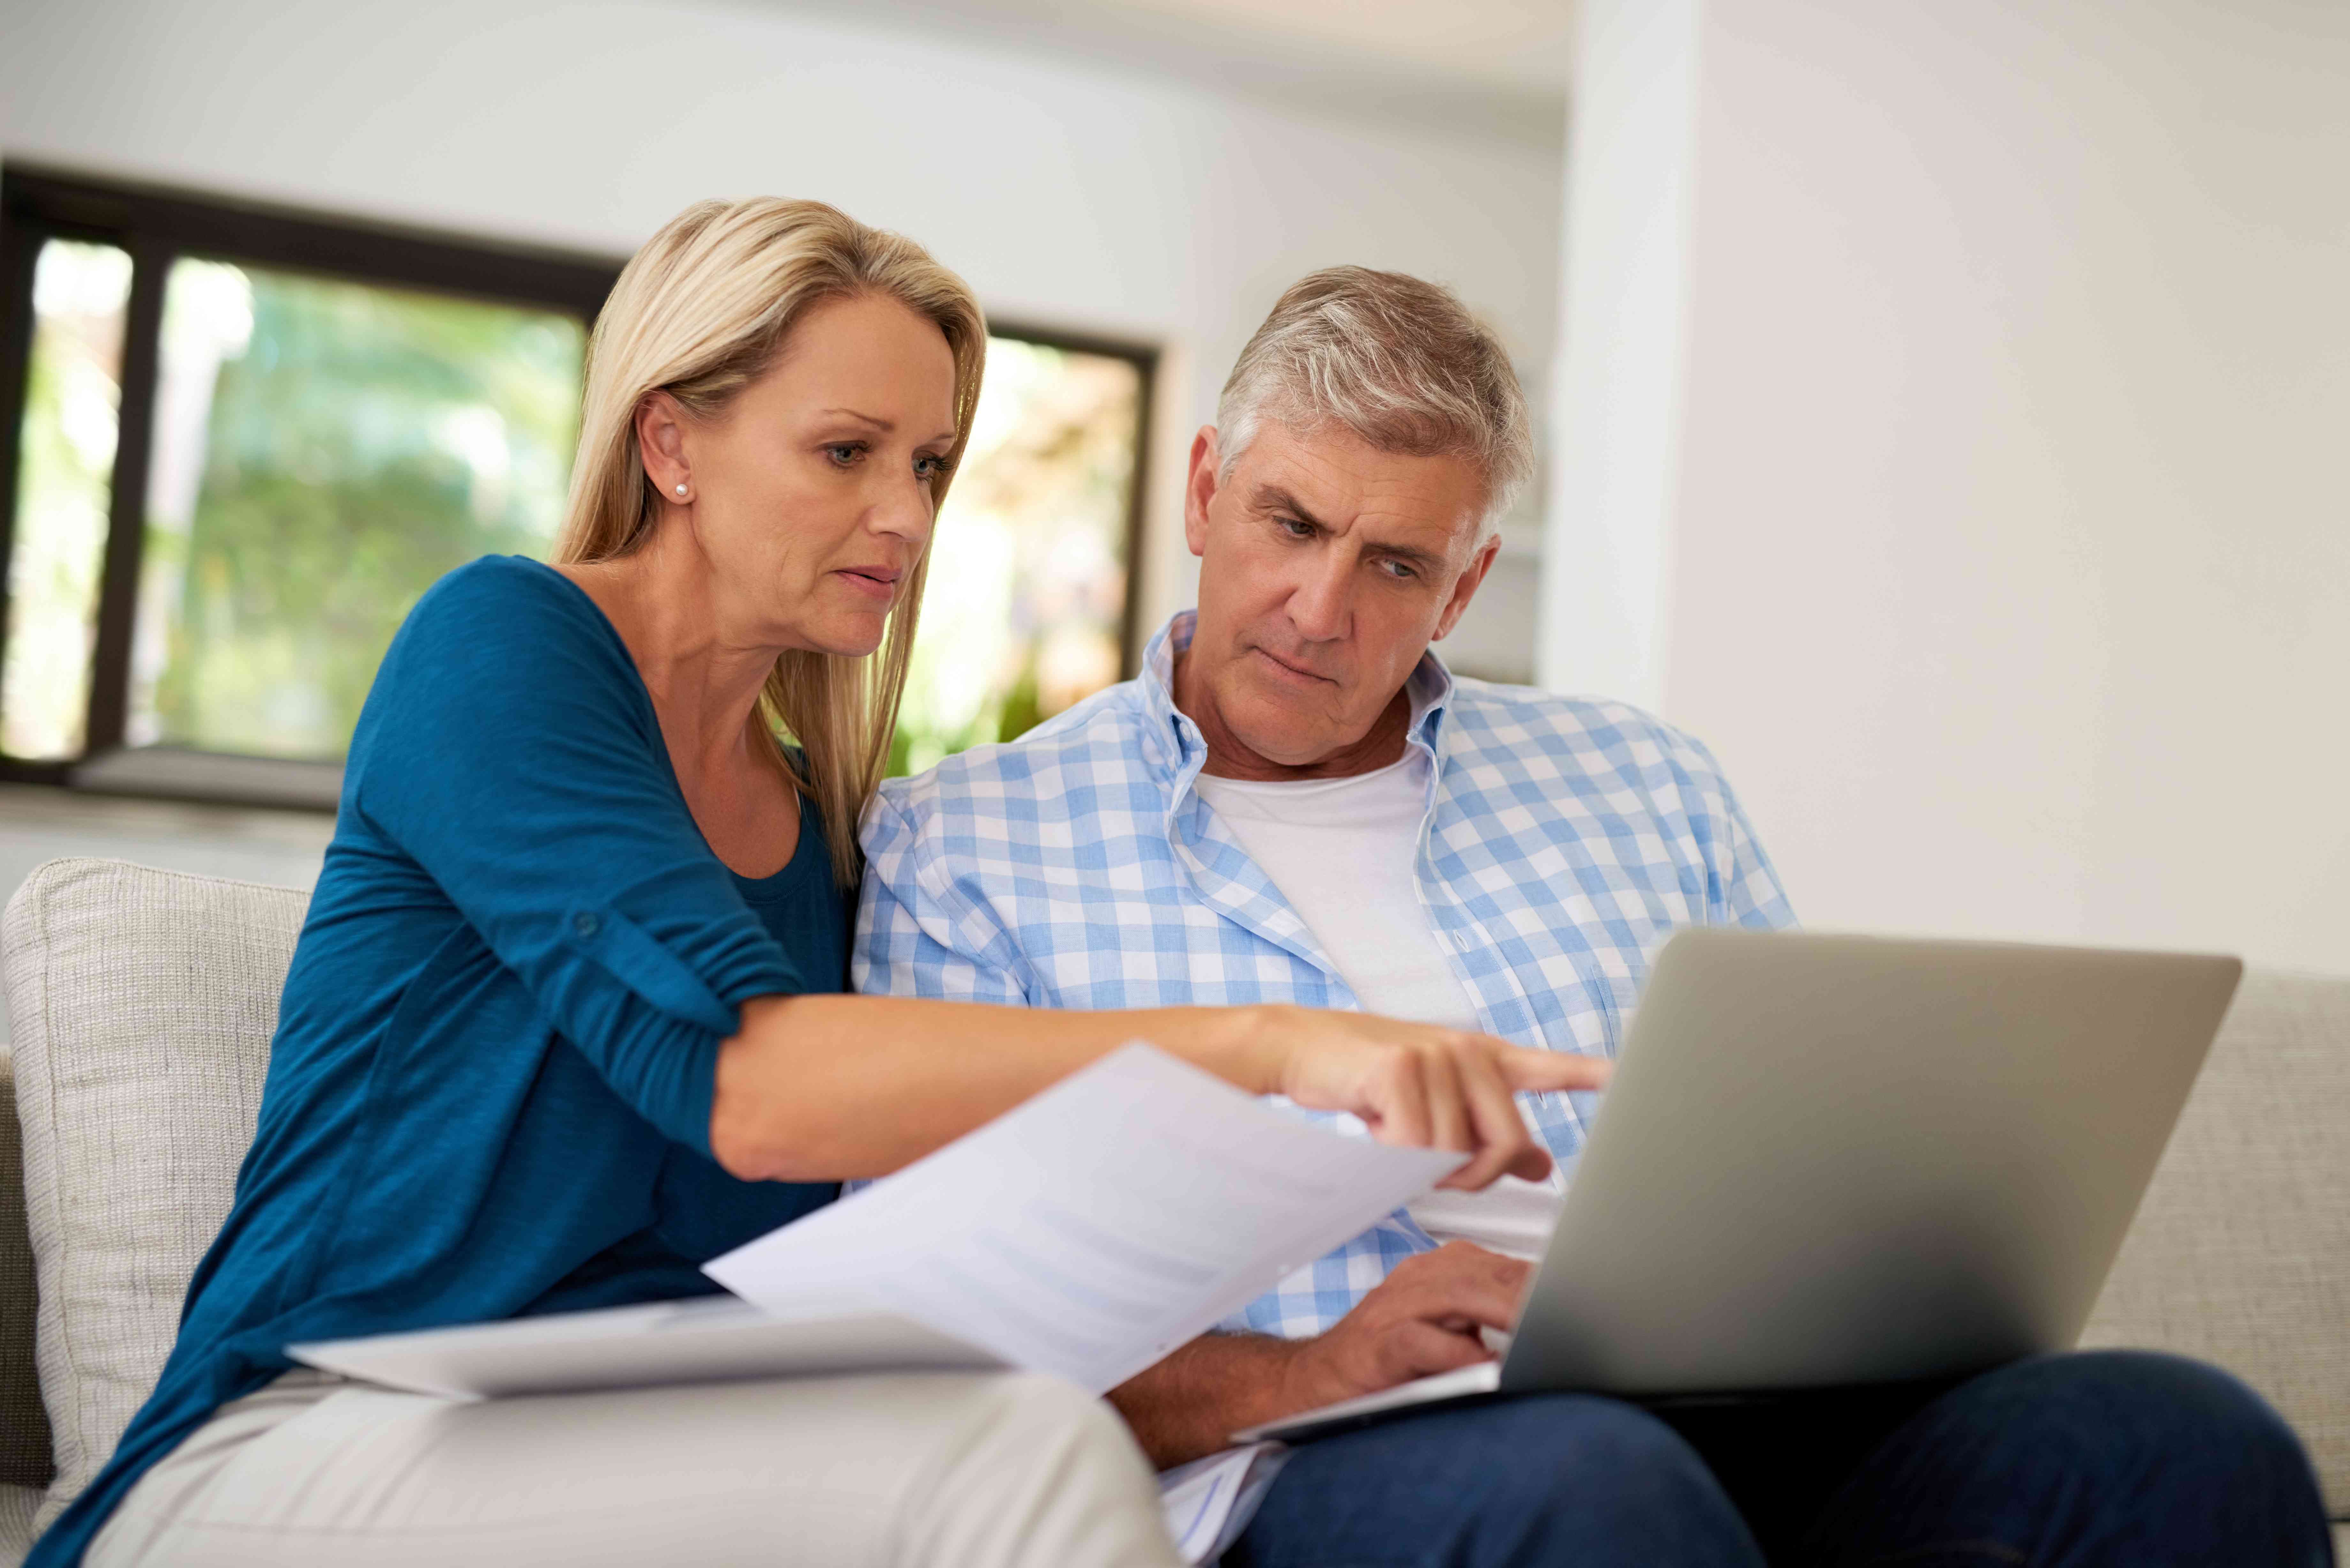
(1564, 841)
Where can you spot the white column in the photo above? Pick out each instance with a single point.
(1616, 379)
(1948, 431)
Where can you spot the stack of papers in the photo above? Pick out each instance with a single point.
(1089, 1231)
(1085, 1233)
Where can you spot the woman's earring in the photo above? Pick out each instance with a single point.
(680, 492)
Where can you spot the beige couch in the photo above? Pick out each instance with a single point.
(143, 1002)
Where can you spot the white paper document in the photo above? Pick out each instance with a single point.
(1085, 1233)
(711, 1339)
(1093, 1229)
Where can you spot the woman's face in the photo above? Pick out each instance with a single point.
(811, 497)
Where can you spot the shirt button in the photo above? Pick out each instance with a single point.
(584, 924)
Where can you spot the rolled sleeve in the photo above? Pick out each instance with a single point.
(621, 950)
(510, 751)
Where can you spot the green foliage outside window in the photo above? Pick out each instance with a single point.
(64, 487)
(1024, 611)
(324, 449)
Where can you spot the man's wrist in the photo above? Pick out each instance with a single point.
(1305, 1380)
(1191, 1403)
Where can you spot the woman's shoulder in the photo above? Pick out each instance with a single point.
(499, 648)
(504, 584)
(503, 608)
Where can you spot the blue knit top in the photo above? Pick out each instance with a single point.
(489, 1092)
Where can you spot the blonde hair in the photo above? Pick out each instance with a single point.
(1398, 360)
(699, 312)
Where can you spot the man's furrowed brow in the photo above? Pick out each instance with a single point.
(1273, 498)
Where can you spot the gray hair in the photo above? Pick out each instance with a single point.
(1395, 360)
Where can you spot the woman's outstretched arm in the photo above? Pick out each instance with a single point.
(824, 1089)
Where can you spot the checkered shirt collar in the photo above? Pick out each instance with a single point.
(1176, 749)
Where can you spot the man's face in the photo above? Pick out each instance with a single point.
(1327, 567)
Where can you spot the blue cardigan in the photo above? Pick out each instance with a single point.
(489, 1092)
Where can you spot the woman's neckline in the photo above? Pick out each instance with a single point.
(644, 695)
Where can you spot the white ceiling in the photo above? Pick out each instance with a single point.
(1481, 66)
(1519, 45)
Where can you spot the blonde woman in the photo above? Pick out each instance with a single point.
(563, 1021)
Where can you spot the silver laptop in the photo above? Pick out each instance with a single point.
(1829, 1160)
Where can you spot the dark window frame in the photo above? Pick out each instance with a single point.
(156, 225)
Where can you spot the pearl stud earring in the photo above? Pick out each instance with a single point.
(681, 491)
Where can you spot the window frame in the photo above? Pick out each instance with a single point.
(1144, 357)
(155, 225)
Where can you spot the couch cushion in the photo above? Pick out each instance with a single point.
(17, 1506)
(142, 1003)
(24, 1425)
(2241, 1253)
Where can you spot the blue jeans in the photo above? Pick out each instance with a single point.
(2063, 1462)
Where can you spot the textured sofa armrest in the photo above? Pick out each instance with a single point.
(24, 1425)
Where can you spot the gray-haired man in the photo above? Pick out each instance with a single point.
(1296, 804)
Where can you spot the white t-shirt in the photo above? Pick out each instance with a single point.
(1342, 851)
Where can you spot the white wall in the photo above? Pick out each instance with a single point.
(2008, 530)
(1069, 193)
(1617, 398)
